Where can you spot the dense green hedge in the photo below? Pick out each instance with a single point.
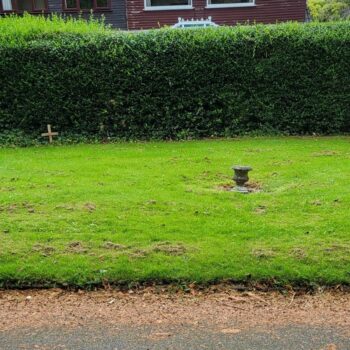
(287, 78)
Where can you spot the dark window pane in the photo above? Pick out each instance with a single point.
(168, 2)
(102, 3)
(71, 4)
(86, 4)
(39, 5)
(230, 1)
(24, 5)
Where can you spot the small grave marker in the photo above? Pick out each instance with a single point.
(49, 133)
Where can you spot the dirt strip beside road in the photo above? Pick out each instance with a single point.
(224, 309)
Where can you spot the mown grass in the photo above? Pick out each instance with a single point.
(159, 211)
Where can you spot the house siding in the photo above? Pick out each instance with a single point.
(265, 11)
(116, 16)
(130, 14)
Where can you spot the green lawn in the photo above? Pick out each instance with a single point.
(159, 211)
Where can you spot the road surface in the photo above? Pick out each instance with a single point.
(153, 319)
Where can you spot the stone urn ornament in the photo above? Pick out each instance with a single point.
(241, 177)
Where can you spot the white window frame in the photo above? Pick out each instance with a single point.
(242, 4)
(168, 7)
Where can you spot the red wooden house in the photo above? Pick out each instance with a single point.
(144, 14)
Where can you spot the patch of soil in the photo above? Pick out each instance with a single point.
(226, 187)
(76, 247)
(261, 209)
(254, 186)
(90, 207)
(251, 186)
(326, 153)
(298, 253)
(111, 245)
(65, 206)
(255, 150)
(11, 208)
(222, 307)
(138, 254)
(337, 247)
(8, 208)
(263, 253)
(151, 202)
(169, 249)
(205, 174)
(43, 249)
(8, 189)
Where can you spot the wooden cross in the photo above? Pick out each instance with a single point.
(49, 133)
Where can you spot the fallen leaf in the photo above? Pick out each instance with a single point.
(331, 347)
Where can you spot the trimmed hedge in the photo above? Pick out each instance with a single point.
(288, 78)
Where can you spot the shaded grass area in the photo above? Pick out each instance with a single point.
(127, 212)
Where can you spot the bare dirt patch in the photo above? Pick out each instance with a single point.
(224, 308)
(14, 207)
(169, 249)
(298, 253)
(138, 253)
(65, 207)
(76, 247)
(260, 209)
(44, 250)
(263, 253)
(90, 207)
(225, 187)
(325, 153)
(113, 246)
(252, 186)
(337, 247)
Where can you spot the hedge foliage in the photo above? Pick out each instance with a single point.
(288, 78)
(329, 10)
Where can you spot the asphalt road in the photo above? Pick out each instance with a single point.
(186, 338)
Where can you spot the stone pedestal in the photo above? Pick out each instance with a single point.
(241, 177)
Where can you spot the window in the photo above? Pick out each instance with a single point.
(86, 5)
(230, 3)
(23, 5)
(6, 5)
(168, 4)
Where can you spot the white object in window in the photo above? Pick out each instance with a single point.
(7, 5)
(194, 23)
